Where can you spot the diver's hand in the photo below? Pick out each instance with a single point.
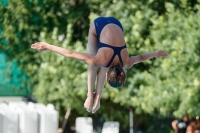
(161, 53)
(40, 46)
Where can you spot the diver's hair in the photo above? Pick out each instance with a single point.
(116, 76)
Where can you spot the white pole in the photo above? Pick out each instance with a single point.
(131, 119)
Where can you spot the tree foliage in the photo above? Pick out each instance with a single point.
(169, 85)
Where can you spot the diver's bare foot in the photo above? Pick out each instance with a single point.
(89, 102)
(96, 104)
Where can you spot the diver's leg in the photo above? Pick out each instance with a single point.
(99, 86)
(92, 70)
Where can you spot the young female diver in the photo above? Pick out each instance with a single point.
(107, 57)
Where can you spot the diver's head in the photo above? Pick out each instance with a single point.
(116, 76)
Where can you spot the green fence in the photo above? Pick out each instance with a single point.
(13, 82)
(4, 2)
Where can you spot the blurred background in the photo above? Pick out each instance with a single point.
(156, 92)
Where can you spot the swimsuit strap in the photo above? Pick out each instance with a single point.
(117, 51)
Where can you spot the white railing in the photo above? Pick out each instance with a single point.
(19, 117)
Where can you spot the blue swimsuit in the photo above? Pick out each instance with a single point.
(100, 23)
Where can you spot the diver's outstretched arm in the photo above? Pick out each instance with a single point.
(88, 58)
(143, 57)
